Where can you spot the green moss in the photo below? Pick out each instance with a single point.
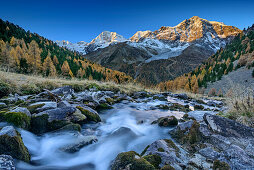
(168, 121)
(93, 85)
(161, 150)
(163, 107)
(18, 119)
(71, 127)
(144, 151)
(90, 116)
(167, 167)
(56, 124)
(155, 160)
(104, 106)
(33, 108)
(110, 100)
(14, 147)
(218, 165)
(171, 144)
(132, 161)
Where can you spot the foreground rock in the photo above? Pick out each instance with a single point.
(6, 162)
(80, 142)
(11, 144)
(53, 119)
(131, 160)
(167, 121)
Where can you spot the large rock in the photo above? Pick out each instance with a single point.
(44, 106)
(227, 127)
(170, 154)
(91, 114)
(54, 119)
(131, 161)
(11, 144)
(22, 110)
(80, 142)
(6, 162)
(18, 119)
(167, 121)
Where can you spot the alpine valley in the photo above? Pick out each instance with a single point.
(154, 56)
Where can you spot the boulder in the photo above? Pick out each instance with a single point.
(11, 144)
(7, 162)
(91, 114)
(80, 142)
(167, 121)
(54, 119)
(61, 91)
(63, 104)
(140, 95)
(18, 119)
(22, 110)
(131, 160)
(227, 127)
(44, 106)
(168, 152)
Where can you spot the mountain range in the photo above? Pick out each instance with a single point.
(154, 56)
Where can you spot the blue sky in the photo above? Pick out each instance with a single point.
(75, 20)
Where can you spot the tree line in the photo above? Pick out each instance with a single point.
(29, 53)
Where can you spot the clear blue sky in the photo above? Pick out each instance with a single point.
(75, 20)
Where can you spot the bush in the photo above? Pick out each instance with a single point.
(212, 92)
(5, 89)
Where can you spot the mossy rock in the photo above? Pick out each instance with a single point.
(33, 108)
(162, 106)
(18, 119)
(104, 106)
(167, 167)
(13, 145)
(70, 127)
(219, 165)
(167, 121)
(199, 107)
(155, 160)
(110, 100)
(179, 107)
(89, 114)
(39, 124)
(93, 85)
(132, 161)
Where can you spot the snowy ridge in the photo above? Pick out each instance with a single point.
(167, 41)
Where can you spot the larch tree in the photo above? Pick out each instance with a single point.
(49, 67)
(65, 69)
(34, 59)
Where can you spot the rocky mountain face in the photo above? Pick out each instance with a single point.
(183, 44)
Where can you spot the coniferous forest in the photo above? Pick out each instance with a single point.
(29, 53)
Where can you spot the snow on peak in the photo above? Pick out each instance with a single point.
(107, 37)
(138, 35)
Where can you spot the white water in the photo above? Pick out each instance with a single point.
(119, 132)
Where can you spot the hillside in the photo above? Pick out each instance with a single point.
(238, 54)
(186, 46)
(29, 53)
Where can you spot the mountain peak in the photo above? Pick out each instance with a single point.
(108, 37)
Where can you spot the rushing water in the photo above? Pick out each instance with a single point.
(119, 131)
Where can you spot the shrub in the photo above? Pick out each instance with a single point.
(5, 89)
(212, 92)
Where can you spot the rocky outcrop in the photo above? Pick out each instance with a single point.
(11, 144)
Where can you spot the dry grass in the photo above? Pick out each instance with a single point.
(240, 103)
(26, 84)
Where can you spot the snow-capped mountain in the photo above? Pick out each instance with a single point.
(103, 40)
(79, 46)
